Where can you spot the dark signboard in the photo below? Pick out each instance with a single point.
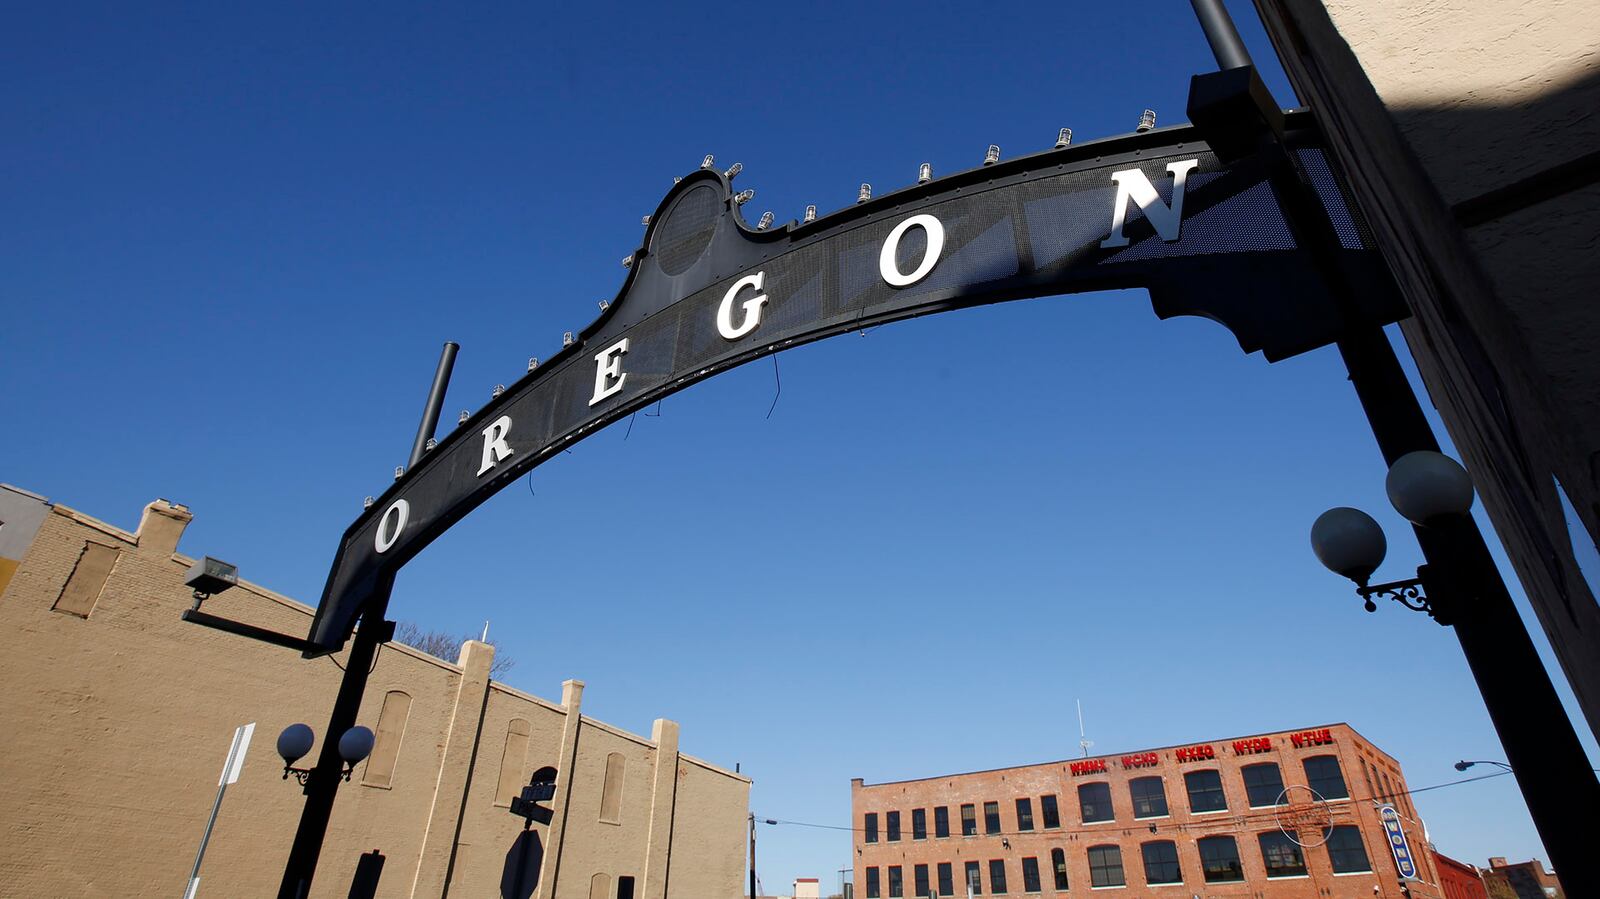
(707, 292)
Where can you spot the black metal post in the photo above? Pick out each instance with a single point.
(323, 783)
(1226, 45)
(1546, 757)
(752, 856)
(430, 412)
(1550, 765)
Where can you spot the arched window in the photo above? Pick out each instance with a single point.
(1205, 791)
(1161, 862)
(1149, 797)
(512, 758)
(1219, 860)
(1346, 853)
(1263, 784)
(1105, 866)
(386, 747)
(1324, 776)
(611, 791)
(1095, 801)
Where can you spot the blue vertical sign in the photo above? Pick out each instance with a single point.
(1397, 842)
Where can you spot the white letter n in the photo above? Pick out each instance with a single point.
(1133, 185)
(495, 447)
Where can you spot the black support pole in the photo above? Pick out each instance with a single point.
(1540, 743)
(323, 783)
(1226, 45)
(430, 412)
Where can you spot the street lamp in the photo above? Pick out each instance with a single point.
(1462, 589)
(1464, 764)
(1431, 490)
(296, 739)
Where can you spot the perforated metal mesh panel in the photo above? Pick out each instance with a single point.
(686, 232)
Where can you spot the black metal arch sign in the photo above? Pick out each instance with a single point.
(707, 292)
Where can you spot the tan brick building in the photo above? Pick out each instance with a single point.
(1212, 818)
(117, 716)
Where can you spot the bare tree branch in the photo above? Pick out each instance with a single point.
(447, 646)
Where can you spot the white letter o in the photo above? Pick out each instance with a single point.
(886, 264)
(399, 511)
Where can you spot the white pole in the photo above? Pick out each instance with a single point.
(230, 774)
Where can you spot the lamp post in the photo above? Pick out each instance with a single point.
(1460, 587)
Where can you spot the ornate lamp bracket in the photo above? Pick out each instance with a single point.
(1411, 593)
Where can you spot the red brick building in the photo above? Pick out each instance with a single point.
(1459, 880)
(1527, 880)
(1288, 814)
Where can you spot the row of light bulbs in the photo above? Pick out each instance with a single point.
(1147, 121)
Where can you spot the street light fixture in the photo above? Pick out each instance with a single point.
(1464, 764)
(1431, 490)
(1461, 588)
(296, 740)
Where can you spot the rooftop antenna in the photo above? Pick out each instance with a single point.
(1083, 740)
(485, 638)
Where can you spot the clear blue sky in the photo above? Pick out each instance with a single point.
(237, 237)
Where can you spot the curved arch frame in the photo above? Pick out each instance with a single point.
(1156, 210)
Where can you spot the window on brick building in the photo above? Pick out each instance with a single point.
(1161, 862)
(941, 821)
(1024, 814)
(1058, 867)
(947, 881)
(1263, 784)
(969, 820)
(1030, 875)
(997, 875)
(1345, 850)
(870, 825)
(1095, 801)
(974, 878)
(1047, 809)
(891, 824)
(1324, 776)
(919, 824)
(873, 890)
(1105, 866)
(919, 877)
(1149, 797)
(896, 887)
(1219, 860)
(1282, 855)
(1205, 791)
(991, 817)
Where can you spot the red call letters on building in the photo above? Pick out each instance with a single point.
(1312, 738)
(1204, 751)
